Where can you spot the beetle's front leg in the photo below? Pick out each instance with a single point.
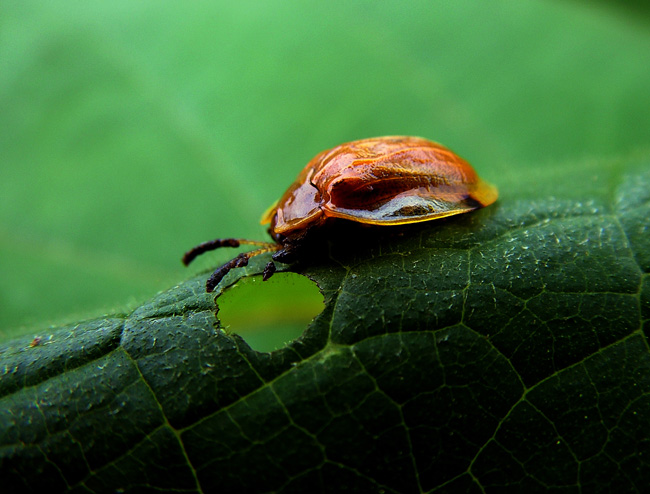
(268, 270)
(238, 262)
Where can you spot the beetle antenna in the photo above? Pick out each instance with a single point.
(239, 262)
(193, 253)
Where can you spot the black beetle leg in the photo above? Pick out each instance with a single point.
(268, 271)
(239, 262)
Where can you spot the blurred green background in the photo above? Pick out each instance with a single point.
(130, 131)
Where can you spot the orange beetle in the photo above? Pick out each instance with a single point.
(380, 181)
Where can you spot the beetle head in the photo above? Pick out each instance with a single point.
(297, 210)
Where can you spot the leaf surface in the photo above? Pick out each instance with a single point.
(504, 349)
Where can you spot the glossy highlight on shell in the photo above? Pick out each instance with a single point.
(392, 180)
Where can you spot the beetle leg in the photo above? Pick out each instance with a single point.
(191, 254)
(239, 262)
(286, 254)
(268, 271)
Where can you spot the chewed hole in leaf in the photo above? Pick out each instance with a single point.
(270, 314)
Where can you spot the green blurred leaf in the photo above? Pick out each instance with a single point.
(130, 131)
(501, 349)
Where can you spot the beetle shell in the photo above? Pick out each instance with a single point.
(380, 181)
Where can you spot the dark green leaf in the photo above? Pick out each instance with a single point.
(504, 349)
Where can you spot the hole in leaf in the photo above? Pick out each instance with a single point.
(269, 314)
